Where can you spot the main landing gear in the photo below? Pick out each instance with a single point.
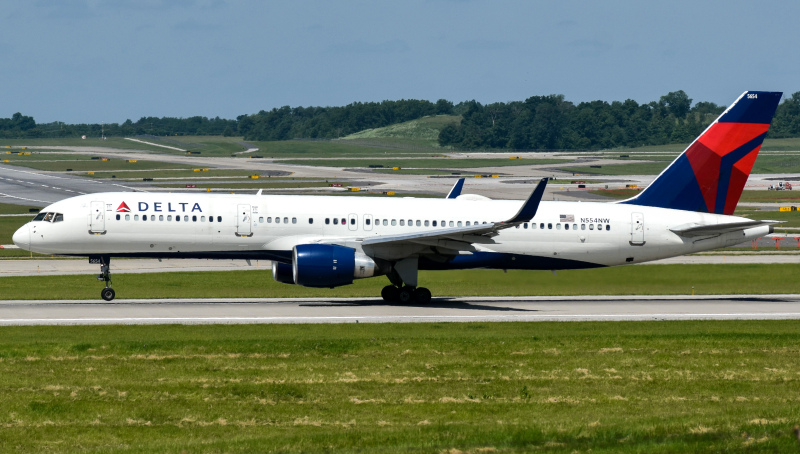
(406, 294)
(107, 293)
(404, 288)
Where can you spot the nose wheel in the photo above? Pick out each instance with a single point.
(107, 293)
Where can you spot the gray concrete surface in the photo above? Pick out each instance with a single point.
(374, 310)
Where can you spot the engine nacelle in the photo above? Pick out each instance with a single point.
(327, 265)
(283, 273)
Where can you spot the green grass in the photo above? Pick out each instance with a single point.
(442, 163)
(98, 166)
(9, 225)
(423, 132)
(112, 142)
(630, 387)
(177, 173)
(10, 208)
(628, 280)
(256, 185)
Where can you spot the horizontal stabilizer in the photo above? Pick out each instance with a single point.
(694, 230)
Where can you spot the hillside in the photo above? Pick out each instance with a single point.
(423, 132)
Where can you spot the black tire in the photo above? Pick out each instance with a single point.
(108, 294)
(422, 295)
(390, 293)
(406, 295)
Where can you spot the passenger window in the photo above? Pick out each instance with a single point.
(591, 226)
(310, 220)
(525, 225)
(410, 222)
(427, 223)
(144, 217)
(533, 226)
(402, 222)
(127, 217)
(185, 218)
(335, 221)
(608, 226)
(135, 217)
(434, 223)
(541, 225)
(385, 222)
(161, 217)
(419, 223)
(285, 220)
(118, 216)
(574, 226)
(467, 223)
(194, 218)
(327, 221)
(459, 223)
(394, 222)
(211, 219)
(558, 226)
(367, 221)
(203, 219)
(452, 224)
(277, 220)
(260, 219)
(177, 218)
(549, 226)
(294, 220)
(219, 218)
(566, 226)
(353, 221)
(169, 217)
(583, 226)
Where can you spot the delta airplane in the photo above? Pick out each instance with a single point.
(327, 241)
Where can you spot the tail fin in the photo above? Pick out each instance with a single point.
(710, 174)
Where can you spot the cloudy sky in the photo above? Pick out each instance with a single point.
(89, 61)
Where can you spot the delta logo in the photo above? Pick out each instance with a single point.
(179, 207)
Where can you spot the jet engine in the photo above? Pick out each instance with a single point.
(324, 265)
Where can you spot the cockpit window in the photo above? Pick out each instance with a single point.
(49, 217)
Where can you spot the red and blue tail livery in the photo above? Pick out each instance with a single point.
(710, 174)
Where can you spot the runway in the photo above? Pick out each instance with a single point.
(374, 310)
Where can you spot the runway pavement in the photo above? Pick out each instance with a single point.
(374, 310)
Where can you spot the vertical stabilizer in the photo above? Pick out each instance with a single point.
(710, 174)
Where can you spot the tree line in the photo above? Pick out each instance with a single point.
(538, 123)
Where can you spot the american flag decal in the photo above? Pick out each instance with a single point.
(566, 218)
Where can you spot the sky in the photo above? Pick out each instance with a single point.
(93, 61)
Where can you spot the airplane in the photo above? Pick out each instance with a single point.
(329, 241)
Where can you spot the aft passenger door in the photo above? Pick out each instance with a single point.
(244, 220)
(637, 229)
(97, 218)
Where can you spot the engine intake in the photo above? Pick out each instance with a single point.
(282, 272)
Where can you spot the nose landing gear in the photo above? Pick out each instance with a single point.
(107, 293)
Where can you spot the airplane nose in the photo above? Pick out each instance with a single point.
(22, 237)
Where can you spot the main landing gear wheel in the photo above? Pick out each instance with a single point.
(107, 293)
(390, 293)
(422, 295)
(406, 295)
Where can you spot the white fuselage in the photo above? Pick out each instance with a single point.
(561, 235)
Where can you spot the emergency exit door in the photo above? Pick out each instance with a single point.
(244, 220)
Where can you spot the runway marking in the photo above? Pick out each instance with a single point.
(409, 318)
(22, 198)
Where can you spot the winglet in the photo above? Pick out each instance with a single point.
(529, 208)
(456, 191)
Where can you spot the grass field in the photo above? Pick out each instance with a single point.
(88, 165)
(455, 163)
(630, 387)
(258, 283)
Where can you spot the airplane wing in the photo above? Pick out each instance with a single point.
(449, 240)
(695, 230)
